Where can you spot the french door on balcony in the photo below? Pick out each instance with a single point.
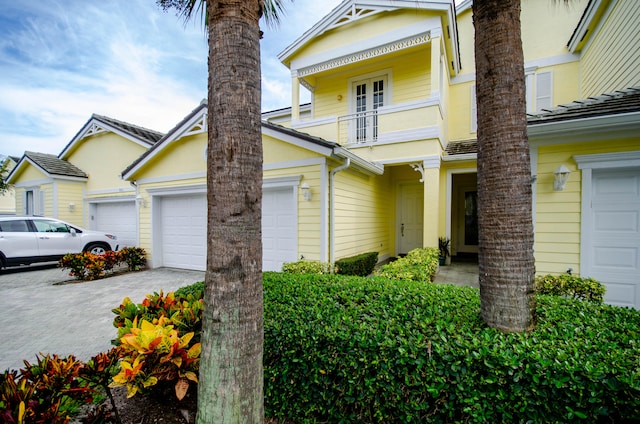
(368, 95)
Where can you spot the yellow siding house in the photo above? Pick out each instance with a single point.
(82, 185)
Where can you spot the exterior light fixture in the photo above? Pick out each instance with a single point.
(560, 177)
(72, 206)
(306, 191)
(141, 201)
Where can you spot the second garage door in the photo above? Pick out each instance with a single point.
(183, 230)
(117, 218)
(614, 254)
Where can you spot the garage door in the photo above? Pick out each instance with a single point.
(184, 231)
(615, 249)
(117, 218)
(279, 228)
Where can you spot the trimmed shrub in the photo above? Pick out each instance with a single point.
(134, 257)
(360, 265)
(418, 265)
(347, 349)
(571, 286)
(306, 267)
(87, 266)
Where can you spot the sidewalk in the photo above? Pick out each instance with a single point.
(74, 318)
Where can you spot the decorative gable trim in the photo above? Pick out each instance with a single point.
(354, 13)
(360, 56)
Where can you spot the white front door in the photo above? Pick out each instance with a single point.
(410, 214)
(613, 256)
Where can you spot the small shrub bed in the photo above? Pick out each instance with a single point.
(306, 267)
(571, 286)
(419, 265)
(346, 349)
(360, 265)
(87, 266)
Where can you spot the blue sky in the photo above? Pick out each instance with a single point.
(63, 60)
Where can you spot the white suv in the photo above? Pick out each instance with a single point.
(28, 239)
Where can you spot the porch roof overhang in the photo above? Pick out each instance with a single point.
(50, 165)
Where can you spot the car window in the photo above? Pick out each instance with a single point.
(16, 226)
(51, 227)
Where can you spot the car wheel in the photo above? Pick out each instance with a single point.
(97, 249)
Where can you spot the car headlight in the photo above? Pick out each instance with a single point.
(111, 236)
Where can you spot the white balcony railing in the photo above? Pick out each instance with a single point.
(358, 128)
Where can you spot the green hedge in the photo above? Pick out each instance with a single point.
(419, 265)
(348, 349)
(567, 285)
(360, 265)
(306, 267)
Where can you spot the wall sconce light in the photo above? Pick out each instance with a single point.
(560, 177)
(141, 201)
(306, 191)
(72, 207)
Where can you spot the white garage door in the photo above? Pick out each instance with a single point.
(615, 249)
(184, 231)
(117, 218)
(279, 228)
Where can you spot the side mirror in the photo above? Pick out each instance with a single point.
(72, 231)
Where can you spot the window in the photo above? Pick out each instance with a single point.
(539, 91)
(368, 95)
(33, 202)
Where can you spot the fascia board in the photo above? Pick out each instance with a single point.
(83, 133)
(431, 25)
(591, 128)
(327, 22)
(166, 141)
(585, 21)
(358, 162)
(325, 151)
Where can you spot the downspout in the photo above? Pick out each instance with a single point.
(332, 225)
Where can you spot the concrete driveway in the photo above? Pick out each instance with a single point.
(73, 318)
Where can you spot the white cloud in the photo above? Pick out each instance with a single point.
(124, 58)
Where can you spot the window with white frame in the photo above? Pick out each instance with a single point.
(539, 90)
(367, 96)
(33, 202)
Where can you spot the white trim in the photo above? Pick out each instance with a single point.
(115, 199)
(277, 182)
(169, 178)
(110, 191)
(585, 129)
(96, 126)
(529, 65)
(426, 133)
(33, 183)
(608, 160)
(177, 191)
(460, 158)
(293, 164)
(312, 122)
(177, 133)
(587, 163)
(324, 212)
(533, 158)
(409, 160)
(296, 141)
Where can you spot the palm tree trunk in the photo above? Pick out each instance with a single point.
(506, 262)
(231, 379)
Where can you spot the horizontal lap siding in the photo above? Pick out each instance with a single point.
(558, 213)
(363, 208)
(615, 47)
(71, 193)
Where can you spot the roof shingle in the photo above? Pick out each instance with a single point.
(53, 165)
